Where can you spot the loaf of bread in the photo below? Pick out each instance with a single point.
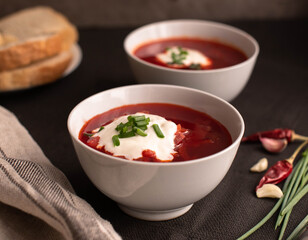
(33, 42)
(42, 72)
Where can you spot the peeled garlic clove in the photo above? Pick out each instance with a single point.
(274, 145)
(269, 191)
(260, 166)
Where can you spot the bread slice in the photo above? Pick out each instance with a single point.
(36, 74)
(34, 34)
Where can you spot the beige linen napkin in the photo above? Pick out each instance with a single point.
(36, 199)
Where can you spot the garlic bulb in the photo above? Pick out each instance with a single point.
(274, 145)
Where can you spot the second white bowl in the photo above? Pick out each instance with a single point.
(226, 83)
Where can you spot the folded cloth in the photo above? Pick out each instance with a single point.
(36, 199)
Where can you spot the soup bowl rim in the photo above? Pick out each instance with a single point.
(223, 26)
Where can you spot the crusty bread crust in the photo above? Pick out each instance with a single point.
(29, 51)
(36, 74)
(21, 53)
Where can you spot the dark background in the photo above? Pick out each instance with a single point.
(275, 96)
(119, 13)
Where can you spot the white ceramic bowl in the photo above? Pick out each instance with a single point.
(226, 83)
(155, 191)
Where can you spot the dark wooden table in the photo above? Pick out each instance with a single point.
(276, 96)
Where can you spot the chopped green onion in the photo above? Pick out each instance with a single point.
(158, 131)
(177, 58)
(115, 140)
(88, 134)
(143, 128)
(139, 118)
(195, 66)
(120, 127)
(129, 124)
(141, 123)
(100, 129)
(124, 129)
(93, 131)
(182, 52)
(127, 134)
(135, 125)
(140, 132)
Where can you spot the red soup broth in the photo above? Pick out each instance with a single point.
(205, 137)
(222, 55)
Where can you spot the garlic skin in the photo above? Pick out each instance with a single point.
(269, 191)
(274, 145)
(260, 166)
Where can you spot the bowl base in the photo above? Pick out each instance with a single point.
(155, 215)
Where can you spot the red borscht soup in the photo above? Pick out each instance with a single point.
(194, 134)
(190, 53)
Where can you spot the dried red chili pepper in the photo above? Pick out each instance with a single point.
(276, 173)
(278, 133)
(280, 170)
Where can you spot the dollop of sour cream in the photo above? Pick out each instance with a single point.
(189, 57)
(132, 147)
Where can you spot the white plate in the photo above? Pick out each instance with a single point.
(77, 57)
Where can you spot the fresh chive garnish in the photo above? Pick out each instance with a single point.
(183, 52)
(129, 124)
(141, 123)
(143, 128)
(120, 127)
(157, 130)
(88, 134)
(115, 140)
(177, 58)
(140, 132)
(136, 125)
(124, 129)
(195, 66)
(100, 129)
(127, 134)
(139, 118)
